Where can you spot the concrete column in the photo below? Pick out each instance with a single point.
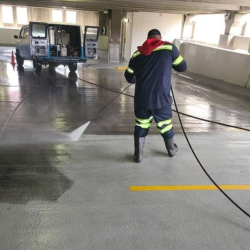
(103, 41)
(229, 19)
(1, 23)
(226, 40)
(115, 18)
(14, 16)
(103, 19)
(248, 48)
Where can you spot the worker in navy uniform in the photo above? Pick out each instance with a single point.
(150, 69)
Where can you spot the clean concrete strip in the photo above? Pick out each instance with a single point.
(188, 187)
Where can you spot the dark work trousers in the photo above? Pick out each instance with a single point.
(162, 117)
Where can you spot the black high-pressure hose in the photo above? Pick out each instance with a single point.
(15, 109)
(191, 116)
(184, 132)
(211, 179)
(218, 123)
(119, 93)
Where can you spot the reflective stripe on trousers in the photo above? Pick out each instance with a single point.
(162, 117)
(144, 123)
(164, 126)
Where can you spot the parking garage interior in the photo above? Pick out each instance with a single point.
(67, 175)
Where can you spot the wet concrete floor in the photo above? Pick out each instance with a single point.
(57, 194)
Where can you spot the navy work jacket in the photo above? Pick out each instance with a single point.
(152, 76)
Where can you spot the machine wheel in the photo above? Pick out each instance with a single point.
(52, 67)
(72, 67)
(36, 65)
(72, 77)
(19, 59)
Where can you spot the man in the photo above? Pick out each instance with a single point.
(150, 68)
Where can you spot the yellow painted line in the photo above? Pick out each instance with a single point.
(188, 187)
(121, 68)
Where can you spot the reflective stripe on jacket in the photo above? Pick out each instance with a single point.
(152, 75)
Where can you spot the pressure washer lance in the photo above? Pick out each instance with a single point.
(177, 111)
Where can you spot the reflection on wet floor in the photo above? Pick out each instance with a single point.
(64, 101)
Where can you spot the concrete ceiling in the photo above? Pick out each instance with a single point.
(170, 6)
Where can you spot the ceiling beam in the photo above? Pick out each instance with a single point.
(222, 3)
(176, 6)
(129, 5)
(244, 10)
(229, 2)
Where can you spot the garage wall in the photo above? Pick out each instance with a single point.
(226, 65)
(140, 23)
(7, 32)
(128, 36)
(241, 43)
(208, 28)
(7, 36)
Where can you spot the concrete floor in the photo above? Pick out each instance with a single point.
(56, 193)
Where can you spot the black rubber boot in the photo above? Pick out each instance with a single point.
(139, 145)
(171, 146)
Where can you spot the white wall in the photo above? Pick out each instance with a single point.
(247, 28)
(238, 24)
(7, 36)
(225, 65)
(84, 18)
(208, 28)
(169, 25)
(128, 36)
(240, 42)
